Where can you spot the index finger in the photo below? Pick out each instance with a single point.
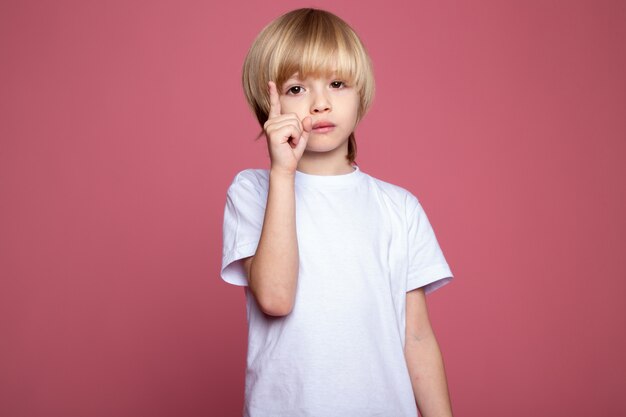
(274, 101)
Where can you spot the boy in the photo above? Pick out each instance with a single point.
(335, 263)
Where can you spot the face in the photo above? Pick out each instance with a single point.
(331, 103)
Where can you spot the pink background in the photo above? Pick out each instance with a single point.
(123, 123)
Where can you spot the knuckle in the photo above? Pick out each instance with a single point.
(268, 124)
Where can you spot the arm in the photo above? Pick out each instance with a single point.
(273, 270)
(424, 359)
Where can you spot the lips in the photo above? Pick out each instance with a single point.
(323, 126)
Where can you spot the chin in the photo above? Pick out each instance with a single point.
(318, 145)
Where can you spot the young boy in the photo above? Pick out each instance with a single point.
(335, 263)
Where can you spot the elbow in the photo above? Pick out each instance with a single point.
(273, 301)
(276, 309)
(274, 297)
(275, 306)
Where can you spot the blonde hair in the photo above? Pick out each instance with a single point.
(313, 43)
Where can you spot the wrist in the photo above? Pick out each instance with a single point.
(282, 174)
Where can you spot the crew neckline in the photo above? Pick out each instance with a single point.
(330, 181)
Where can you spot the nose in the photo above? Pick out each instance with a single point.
(321, 103)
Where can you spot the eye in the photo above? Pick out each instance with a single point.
(295, 90)
(338, 84)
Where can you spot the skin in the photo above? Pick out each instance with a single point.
(273, 270)
(424, 359)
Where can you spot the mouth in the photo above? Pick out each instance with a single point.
(322, 127)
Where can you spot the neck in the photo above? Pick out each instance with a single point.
(326, 163)
(319, 163)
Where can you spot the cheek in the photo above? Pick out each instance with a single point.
(354, 106)
(290, 106)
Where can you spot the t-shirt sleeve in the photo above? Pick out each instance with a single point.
(243, 221)
(427, 266)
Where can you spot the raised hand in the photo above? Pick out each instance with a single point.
(286, 134)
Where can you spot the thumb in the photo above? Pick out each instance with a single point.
(307, 126)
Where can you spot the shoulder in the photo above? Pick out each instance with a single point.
(252, 175)
(395, 194)
(252, 179)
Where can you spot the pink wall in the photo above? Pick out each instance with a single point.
(122, 124)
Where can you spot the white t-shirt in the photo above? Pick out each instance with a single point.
(363, 243)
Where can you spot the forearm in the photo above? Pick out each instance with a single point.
(274, 268)
(428, 377)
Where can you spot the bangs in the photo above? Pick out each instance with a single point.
(317, 47)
